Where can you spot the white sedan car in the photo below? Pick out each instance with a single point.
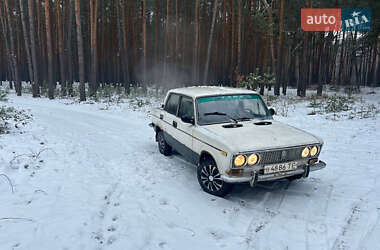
(230, 135)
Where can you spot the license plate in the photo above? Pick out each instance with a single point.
(280, 167)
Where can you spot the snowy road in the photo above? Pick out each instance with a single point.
(100, 183)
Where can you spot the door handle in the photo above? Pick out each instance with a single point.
(174, 124)
(161, 116)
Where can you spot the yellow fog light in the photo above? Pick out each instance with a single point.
(252, 159)
(314, 151)
(239, 160)
(305, 152)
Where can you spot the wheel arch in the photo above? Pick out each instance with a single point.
(206, 155)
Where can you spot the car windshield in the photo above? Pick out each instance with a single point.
(227, 108)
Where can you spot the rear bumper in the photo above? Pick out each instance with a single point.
(270, 177)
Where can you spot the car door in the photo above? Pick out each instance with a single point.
(185, 125)
(169, 116)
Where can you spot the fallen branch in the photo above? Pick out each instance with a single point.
(40, 191)
(9, 182)
(15, 157)
(16, 218)
(37, 155)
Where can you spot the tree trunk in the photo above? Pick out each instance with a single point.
(322, 47)
(41, 38)
(125, 67)
(93, 46)
(196, 41)
(280, 51)
(210, 40)
(51, 82)
(36, 82)
(143, 20)
(238, 63)
(10, 74)
(119, 52)
(232, 62)
(26, 40)
(82, 90)
(177, 52)
(271, 33)
(61, 51)
(69, 28)
(157, 22)
(341, 60)
(13, 53)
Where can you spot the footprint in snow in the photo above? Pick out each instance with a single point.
(164, 202)
(217, 234)
(162, 244)
(111, 229)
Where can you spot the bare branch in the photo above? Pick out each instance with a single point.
(9, 182)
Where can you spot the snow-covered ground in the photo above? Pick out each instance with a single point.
(88, 177)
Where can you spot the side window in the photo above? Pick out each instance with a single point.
(186, 108)
(172, 104)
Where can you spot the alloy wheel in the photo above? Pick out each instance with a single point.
(211, 178)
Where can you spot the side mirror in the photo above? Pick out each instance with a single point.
(187, 119)
(162, 105)
(272, 112)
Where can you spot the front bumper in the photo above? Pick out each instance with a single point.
(270, 177)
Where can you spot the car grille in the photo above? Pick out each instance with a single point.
(280, 155)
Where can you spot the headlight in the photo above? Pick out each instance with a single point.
(252, 159)
(239, 160)
(305, 152)
(314, 151)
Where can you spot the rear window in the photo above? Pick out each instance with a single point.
(172, 104)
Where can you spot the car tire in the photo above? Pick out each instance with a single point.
(210, 179)
(163, 146)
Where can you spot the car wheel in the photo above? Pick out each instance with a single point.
(164, 148)
(210, 179)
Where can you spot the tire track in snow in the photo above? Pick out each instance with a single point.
(313, 220)
(316, 221)
(256, 226)
(345, 238)
(366, 237)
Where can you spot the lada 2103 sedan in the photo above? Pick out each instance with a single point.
(230, 135)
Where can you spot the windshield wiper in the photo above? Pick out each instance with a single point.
(220, 113)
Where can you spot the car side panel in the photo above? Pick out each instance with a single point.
(184, 136)
(202, 144)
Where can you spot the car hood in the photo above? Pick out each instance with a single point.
(251, 137)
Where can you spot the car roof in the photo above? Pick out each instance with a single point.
(199, 91)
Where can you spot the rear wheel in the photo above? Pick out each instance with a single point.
(164, 148)
(210, 179)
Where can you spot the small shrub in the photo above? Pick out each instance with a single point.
(3, 95)
(270, 99)
(254, 80)
(337, 104)
(10, 116)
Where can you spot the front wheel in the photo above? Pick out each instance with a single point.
(210, 179)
